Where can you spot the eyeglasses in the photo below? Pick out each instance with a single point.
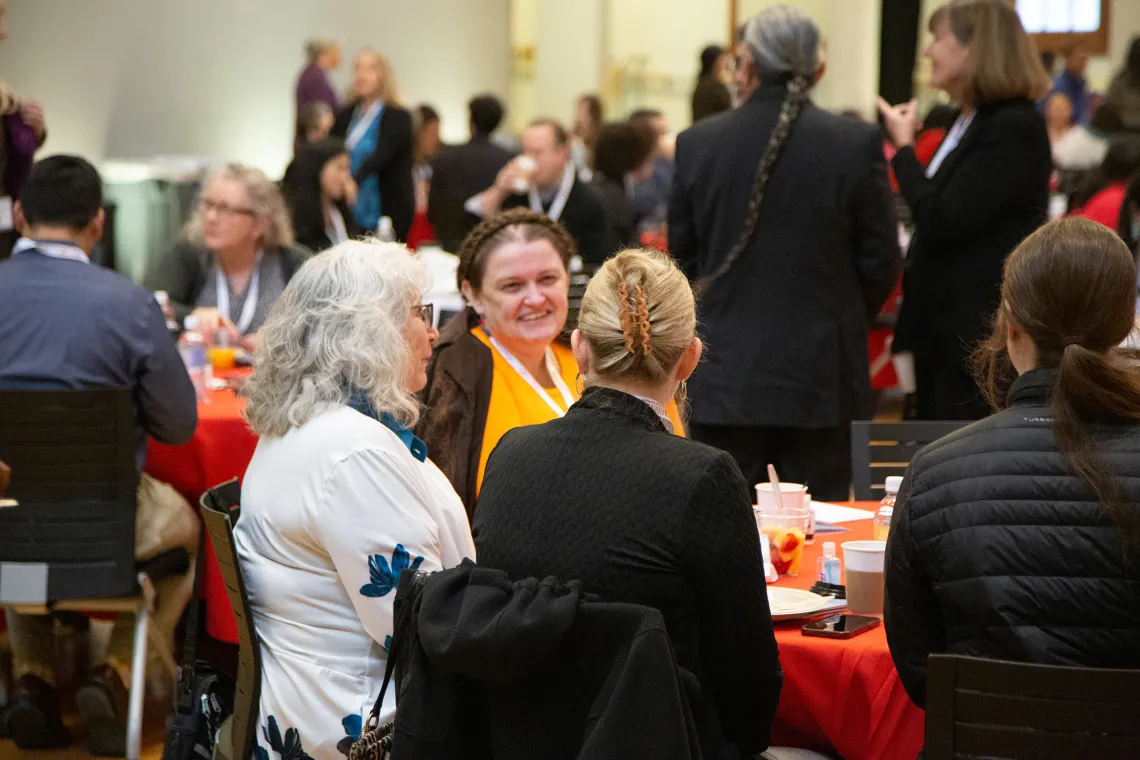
(426, 312)
(224, 209)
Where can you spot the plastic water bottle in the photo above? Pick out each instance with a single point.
(385, 232)
(882, 526)
(192, 347)
(163, 299)
(829, 565)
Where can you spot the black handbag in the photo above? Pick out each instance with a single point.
(203, 696)
(375, 742)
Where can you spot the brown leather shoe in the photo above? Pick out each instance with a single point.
(33, 717)
(103, 702)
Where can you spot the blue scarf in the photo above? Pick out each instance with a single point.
(367, 210)
(360, 401)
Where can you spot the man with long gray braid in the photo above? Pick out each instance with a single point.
(782, 216)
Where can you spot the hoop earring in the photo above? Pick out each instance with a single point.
(579, 381)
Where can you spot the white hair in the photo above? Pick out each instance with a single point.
(338, 326)
(783, 40)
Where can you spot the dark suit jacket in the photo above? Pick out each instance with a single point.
(457, 173)
(622, 230)
(710, 97)
(391, 162)
(786, 329)
(607, 496)
(987, 196)
(584, 217)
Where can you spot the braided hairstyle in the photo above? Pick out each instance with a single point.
(518, 225)
(638, 316)
(785, 47)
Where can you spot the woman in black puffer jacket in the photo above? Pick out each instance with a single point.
(1018, 537)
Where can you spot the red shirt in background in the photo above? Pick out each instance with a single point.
(925, 146)
(1104, 207)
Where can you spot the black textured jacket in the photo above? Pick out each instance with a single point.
(535, 669)
(998, 550)
(606, 496)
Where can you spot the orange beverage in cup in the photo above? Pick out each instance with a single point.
(222, 357)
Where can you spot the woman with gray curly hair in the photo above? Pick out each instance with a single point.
(237, 255)
(340, 496)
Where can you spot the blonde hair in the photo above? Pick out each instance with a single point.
(264, 198)
(1003, 60)
(338, 326)
(389, 90)
(638, 316)
(316, 47)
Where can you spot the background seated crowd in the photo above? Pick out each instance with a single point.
(527, 440)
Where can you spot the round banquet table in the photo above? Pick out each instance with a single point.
(220, 450)
(842, 697)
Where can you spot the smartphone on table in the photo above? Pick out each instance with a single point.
(841, 626)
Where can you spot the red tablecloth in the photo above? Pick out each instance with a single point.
(221, 449)
(843, 697)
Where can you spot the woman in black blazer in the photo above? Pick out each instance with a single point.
(986, 189)
(388, 164)
(609, 496)
(318, 189)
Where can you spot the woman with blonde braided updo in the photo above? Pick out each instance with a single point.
(606, 496)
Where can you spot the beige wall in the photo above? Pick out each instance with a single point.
(131, 79)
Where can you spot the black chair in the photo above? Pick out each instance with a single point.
(67, 531)
(882, 449)
(578, 283)
(221, 508)
(1016, 711)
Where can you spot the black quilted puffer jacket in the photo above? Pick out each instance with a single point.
(998, 550)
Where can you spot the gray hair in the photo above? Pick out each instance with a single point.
(338, 326)
(264, 198)
(316, 47)
(783, 40)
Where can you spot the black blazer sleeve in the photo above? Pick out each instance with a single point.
(721, 552)
(877, 257)
(994, 169)
(181, 274)
(395, 138)
(682, 230)
(911, 614)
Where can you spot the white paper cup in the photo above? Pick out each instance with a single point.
(863, 575)
(794, 496)
(904, 370)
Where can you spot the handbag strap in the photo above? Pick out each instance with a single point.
(187, 674)
(399, 633)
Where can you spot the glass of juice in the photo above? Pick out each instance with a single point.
(786, 533)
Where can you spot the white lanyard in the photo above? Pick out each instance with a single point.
(360, 128)
(250, 306)
(560, 197)
(336, 230)
(953, 137)
(53, 248)
(551, 368)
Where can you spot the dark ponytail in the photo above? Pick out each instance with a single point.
(1071, 287)
(790, 109)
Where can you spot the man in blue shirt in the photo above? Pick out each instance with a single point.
(1072, 82)
(67, 324)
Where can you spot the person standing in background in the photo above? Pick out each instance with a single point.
(711, 95)
(782, 213)
(1124, 92)
(313, 85)
(986, 189)
(428, 145)
(588, 117)
(377, 130)
(623, 158)
(23, 134)
(1072, 83)
(649, 198)
(461, 171)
